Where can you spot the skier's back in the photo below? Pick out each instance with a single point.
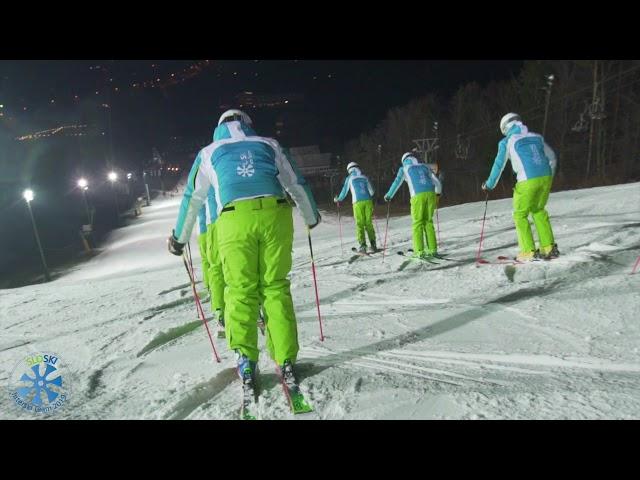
(254, 232)
(362, 198)
(534, 164)
(424, 187)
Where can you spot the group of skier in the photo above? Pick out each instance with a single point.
(238, 187)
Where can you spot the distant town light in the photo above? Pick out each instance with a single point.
(28, 194)
(129, 175)
(82, 183)
(113, 176)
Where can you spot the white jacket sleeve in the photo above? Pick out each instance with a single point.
(194, 196)
(551, 156)
(296, 186)
(436, 182)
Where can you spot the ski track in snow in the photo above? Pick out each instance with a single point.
(556, 339)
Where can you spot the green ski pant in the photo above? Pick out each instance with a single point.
(202, 244)
(422, 207)
(530, 197)
(215, 274)
(256, 243)
(363, 214)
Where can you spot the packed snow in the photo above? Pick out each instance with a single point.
(547, 340)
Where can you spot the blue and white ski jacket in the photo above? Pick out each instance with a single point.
(529, 154)
(240, 165)
(359, 185)
(419, 177)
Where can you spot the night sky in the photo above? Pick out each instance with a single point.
(348, 97)
(152, 102)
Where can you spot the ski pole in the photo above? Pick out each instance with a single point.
(478, 259)
(340, 225)
(197, 299)
(438, 220)
(635, 266)
(386, 230)
(375, 220)
(315, 283)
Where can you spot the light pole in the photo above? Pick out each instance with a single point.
(550, 79)
(28, 196)
(113, 176)
(83, 185)
(146, 188)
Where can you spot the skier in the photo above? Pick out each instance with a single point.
(534, 164)
(254, 232)
(362, 199)
(423, 186)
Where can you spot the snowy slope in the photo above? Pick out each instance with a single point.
(557, 339)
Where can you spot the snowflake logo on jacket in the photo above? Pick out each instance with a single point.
(246, 168)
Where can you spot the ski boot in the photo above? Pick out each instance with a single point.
(288, 375)
(247, 370)
(363, 249)
(550, 252)
(524, 257)
(374, 248)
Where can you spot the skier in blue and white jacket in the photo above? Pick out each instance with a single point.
(424, 187)
(254, 232)
(362, 198)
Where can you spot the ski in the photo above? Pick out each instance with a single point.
(427, 260)
(248, 410)
(500, 261)
(297, 403)
(367, 253)
(437, 256)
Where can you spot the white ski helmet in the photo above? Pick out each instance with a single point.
(352, 165)
(235, 114)
(507, 122)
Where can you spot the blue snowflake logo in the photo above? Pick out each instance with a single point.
(40, 384)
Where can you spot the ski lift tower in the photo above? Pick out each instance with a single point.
(428, 146)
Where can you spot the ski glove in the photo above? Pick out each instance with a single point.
(174, 245)
(387, 199)
(335, 199)
(315, 224)
(484, 187)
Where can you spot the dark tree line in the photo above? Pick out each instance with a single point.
(592, 111)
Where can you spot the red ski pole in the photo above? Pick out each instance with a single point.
(197, 299)
(635, 267)
(438, 224)
(478, 259)
(386, 230)
(315, 283)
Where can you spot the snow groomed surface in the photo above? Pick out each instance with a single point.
(549, 340)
